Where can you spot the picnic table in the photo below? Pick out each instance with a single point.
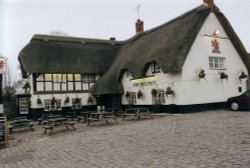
(45, 117)
(58, 122)
(20, 123)
(101, 116)
(137, 113)
(84, 115)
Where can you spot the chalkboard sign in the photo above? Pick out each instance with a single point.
(3, 130)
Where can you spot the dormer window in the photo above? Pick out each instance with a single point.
(155, 68)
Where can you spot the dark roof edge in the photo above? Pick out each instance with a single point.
(73, 39)
(237, 43)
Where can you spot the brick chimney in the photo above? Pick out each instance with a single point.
(139, 26)
(210, 3)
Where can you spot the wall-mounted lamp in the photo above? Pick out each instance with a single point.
(216, 32)
(215, 35)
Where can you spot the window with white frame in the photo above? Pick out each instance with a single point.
(155, 68)
(160, 97)
(132, 98)
(24, 105)
(76, 103)
(217, 63)
(48, 105)
(88, 78)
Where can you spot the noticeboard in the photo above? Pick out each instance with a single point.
(3, 130)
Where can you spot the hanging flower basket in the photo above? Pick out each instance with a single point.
(90, 100)
(169, 91)
(242, 75)
(26, 85)
(127, 94)
(201, 74)
(223, 75)
(53, 100)
(139, 94)
(39, 101)
(154, 92)
(67, 100)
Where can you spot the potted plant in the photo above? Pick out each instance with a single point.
(139, 94)
(38, 101)
(169, 91)
(201, 74)
(223, 75)
(67, 100)
(154, 92)
(242, 75)
(90, 100)
(127, 94)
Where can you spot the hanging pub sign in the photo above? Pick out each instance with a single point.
(2, 65)
(215, 45)
(3, 130)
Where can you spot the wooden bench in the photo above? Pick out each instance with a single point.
(58, 122)
(101, 116)
(136, 113)
(21, 124)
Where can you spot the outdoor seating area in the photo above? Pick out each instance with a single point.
(50, 123)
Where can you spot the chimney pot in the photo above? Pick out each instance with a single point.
(139, 26)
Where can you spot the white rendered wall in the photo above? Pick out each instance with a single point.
(188, 88)
(213, 89)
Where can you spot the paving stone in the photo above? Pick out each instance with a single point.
(218, 139)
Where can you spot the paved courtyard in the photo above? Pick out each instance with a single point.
(216, 139)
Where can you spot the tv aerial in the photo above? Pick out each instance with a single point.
(138, 10)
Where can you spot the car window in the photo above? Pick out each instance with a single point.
(247, 93)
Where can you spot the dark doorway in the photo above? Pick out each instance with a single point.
(109, 101)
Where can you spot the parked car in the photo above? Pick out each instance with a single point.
(240, 102)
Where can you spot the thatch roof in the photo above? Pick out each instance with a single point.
(168, 45)
(55, 54)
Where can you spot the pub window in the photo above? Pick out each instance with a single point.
(217, 63)
(88, 78)
(24, 105)
(48, 105)
(155, 68)
(57, 78)
(48, 77)
(64, 77)
(132, 98)
(159, 98)
(76, 104)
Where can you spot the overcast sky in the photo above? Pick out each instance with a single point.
(102, 19)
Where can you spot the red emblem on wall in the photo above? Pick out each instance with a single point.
(2, 64)
(215, 45)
